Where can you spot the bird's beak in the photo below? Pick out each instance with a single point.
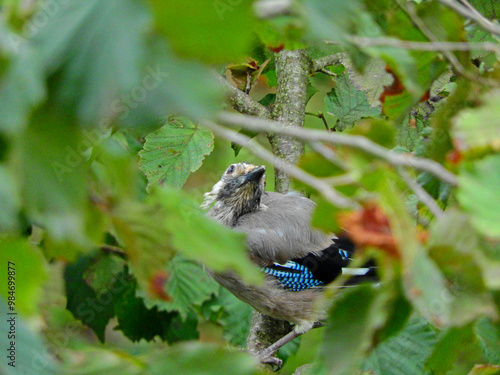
(255, 175)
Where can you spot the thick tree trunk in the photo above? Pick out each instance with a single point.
(292, 69)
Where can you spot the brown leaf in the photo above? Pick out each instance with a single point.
(395, 88)
(157, 286)
(454, 157)
(245, 75)
(276, 49)
(369, 227)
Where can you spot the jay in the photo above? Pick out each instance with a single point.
(297, 259)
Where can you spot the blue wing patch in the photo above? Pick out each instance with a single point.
(293, 276)
(345, 255)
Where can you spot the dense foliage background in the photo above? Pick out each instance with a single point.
(108, 111)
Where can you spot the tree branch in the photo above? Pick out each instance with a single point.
(323, 188)
(354, 141)
(265, 9)
(324, 62)
(452, 59)
(421, 194)
(475, 15)
(292, 70)
(242, 102)
(365, 42)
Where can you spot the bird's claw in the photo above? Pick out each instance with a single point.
(272, 361)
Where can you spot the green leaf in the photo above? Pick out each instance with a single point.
(485, 370)
(183, 329)
(441, 142)
(217, 32)
(478, 193)
(324, 216)
(489, 339)
(426, 288)
(26, 277)
(188, 285)
(423, 282)
(465, 129)
(378, 130)
(456, 352)
(10, 201)
(251, 134)
(54, 165)
(92, 308)
(173, 151)
(285, 32)
(453, 244)
(268, 99)
(201, 238)
(399, 309)
(311, 90)
(371, 80)
(201, 358)
(102, 360)
(405, 353)
(410, 136)
(103, 271)
(334, 19)
(347, 103)
(236, 319)
(488, 8)
(396, 105)
(23, 76)
(137, 321)
(142, 230)
(31, 355)
(352, 321)
(111, 34)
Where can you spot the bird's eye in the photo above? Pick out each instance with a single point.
(230, 169)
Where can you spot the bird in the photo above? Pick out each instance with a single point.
(296, 259)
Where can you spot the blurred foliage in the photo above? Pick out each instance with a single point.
(102, 105)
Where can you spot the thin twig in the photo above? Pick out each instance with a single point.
(422, 46)
(328, 154)
(421, 194)
(242, 102)
(410, 11)
(355, 141)
(265, 9)
(321, 116)
(330, 194)
(344, 179)
(112, 249)
(325, 61)
(328, 73)
(475, 16)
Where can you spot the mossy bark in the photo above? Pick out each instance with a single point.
(292, 69)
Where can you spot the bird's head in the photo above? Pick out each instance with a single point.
(237, 193)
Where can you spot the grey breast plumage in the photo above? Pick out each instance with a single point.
(280, 229)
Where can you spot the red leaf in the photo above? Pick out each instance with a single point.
(395, 88)
(276, 49)
(369, 227)
(454, 157)
(157, 286)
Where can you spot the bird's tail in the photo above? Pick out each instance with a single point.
(366, 273)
